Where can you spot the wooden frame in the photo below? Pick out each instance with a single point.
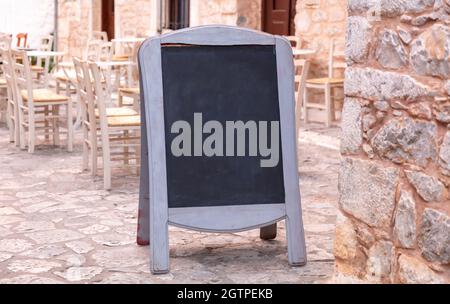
(292, 14)
(38, 109)
(12, 116)
(327, 85)
(214, 219)
(116, 131)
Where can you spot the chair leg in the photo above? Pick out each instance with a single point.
(328, 105)
(68, 89)
(46, 124)
(57, 88)
(69, 126)
(16, 125)
(94, 152)
(305, 106)
(106, 162)
(31, 132)
(22, 137)
(136, 105)
(126, 151)
(10, 122)
(85, 148)
(56, 139)
(120, 99)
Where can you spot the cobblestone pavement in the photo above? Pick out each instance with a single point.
(57, 225)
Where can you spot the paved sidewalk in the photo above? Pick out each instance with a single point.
(57, 225)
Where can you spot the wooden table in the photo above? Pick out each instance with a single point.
(46, 55)
(303, 52)
(128, 40)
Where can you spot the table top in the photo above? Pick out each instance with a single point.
(105, 64)
(303, 52)
(45, 53)
(25, 49)
(128, 40)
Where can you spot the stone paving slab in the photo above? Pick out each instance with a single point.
(57, 225)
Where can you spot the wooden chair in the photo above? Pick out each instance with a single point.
(327, 85)
(301, 74)
(5, 43)
(90, 114)
(132, 92)
(46, 46)
(105, 51)
(120, 135)
(65, 78)
(104, 128)
(92, 51)
(12, 117)
(5, 40)
(39, 109)
(22, 39)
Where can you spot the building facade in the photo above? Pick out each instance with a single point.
(315, 22)
(394, 222)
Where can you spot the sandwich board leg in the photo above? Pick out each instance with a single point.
(159, 241)
(295, 236)
(268, 232)
(143, 237)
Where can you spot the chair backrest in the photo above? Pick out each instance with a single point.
(5, 40)
(85, 92)
(102, 36)
(46, 43)
(99, 98)
(135, 68)
(23, 77)
(22, 40)
(105, 51)
(8, 73)
(302, 67)
(46, 46)
(332, 62)
(92, 51)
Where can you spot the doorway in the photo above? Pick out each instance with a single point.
(278, 17)
(108, 24)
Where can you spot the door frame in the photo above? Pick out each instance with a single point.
(293, 12)
(102, 23)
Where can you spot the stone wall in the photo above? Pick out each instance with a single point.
(134, 17)
(394, 224)
(317, 23)
(75, 24)
(245, 13)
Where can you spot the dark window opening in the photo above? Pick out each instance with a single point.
(178, 11)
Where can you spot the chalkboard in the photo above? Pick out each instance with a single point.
(224, 83)
(197, 80)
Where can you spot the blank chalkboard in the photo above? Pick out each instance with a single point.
(224, 83)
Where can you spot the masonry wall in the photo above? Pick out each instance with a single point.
(245, 13)
(75, 23)
(394, 224)
(134, 18)
(317, 23)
